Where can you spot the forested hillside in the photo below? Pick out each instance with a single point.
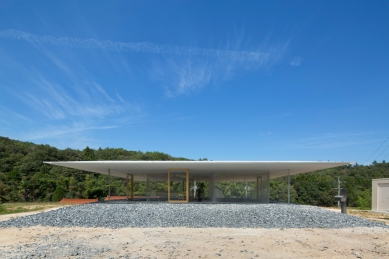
(319, 188)
(23, 176)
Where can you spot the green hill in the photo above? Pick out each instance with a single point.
(24, 177)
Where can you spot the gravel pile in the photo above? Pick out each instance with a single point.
(152, 215)
(52, 247)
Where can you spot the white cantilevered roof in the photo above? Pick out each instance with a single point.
(224, 170)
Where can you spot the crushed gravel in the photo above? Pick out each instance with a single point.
(192, 215)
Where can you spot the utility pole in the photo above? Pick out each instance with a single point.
(339, 182)
(338, 191)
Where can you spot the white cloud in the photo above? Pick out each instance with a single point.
(265, 133)
(56, 131)
(6, 112)
(181, 70)
(296, 62)
(186, 76)
(6, 122)
(51, 99)
(138, 47)
(63, 105)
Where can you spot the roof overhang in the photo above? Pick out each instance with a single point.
(225, 170)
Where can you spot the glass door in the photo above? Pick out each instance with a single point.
(178, 185)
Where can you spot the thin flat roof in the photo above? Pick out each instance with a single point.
(223, 169)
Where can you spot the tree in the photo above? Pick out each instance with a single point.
(88, 154)
(22, 169)
(58, 194)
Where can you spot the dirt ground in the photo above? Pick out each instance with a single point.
(197, 243)
(206, 243)
(366, 214)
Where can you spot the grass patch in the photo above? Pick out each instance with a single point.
(1, 208)
(368, 214)
(19, 207)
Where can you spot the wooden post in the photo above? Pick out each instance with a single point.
(187, 185)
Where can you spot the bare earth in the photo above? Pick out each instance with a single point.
(207, 243)
(199, 243)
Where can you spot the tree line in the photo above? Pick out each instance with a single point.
(24, 177)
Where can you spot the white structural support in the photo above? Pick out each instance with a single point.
(213, 188)
(109, 184)
(148, 188)
(288, 185)
(259, 188)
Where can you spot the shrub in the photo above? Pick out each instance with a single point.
(96, 192)
(70, 195)
(14, 196)
(58, 194)
(364, 199)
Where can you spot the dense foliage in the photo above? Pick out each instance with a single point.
(24, 177)
(320, 188)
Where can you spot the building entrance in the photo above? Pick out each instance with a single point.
(178, 185)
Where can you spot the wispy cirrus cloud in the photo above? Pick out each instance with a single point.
(139, 47)
(187, 76)
(52, 100)
(296, 62)
(5, 111)
(181, 70)
(64, 103)
(53, 132)
(71, 101)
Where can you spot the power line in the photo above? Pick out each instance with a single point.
(381, 152)
(377, 149)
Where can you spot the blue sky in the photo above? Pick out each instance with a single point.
(226, 80)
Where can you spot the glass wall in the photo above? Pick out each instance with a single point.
(178, 185)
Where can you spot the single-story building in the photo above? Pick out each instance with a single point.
(183, 177)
